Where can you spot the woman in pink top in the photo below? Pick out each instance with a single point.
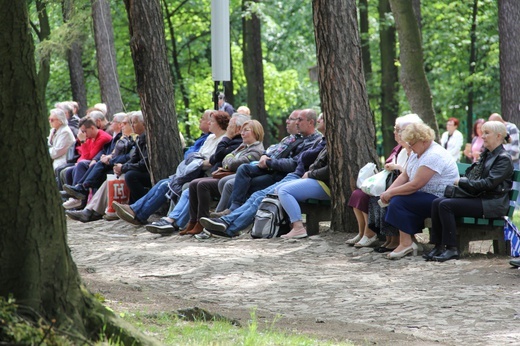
(473, 152)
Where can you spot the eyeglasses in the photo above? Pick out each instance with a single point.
(411, 145)
(52, 120)
(397, 129)
(245, 130)
(300, 119)
(292, 119)
(124, 122)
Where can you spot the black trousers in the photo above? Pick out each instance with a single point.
(138, 183)
(445, 211)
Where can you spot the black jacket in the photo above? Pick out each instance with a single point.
(495, 183)
(139, 159)
(319, 170)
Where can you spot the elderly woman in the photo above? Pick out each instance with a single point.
(490, 178)
(60, 137)
(430, 168)
(360, 201)
(202, 190)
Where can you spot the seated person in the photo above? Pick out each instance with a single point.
(361, 202)
(95, 140)
(274, 165)
(231, 224)
(313, 184)
(430, 168)
(116, 151)
(136, 173)
(202, 190)
(490, 178)
(217, 145)
(60, 138)
(452, 139)
(204, 128)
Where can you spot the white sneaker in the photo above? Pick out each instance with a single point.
(72, 203)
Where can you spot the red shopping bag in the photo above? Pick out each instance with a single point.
(116, 191)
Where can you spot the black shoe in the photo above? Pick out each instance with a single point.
(382, 249)
(216, 233)
(515, 263)
(85, 215)
(77, 191)
(451, 253)
(214, 224)
(162, 227)
(64, 195)
(436, 251)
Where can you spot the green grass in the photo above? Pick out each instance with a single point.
(170, 330)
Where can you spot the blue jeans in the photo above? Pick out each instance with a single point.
(181, 212)
(250, 179)
(153, 200)
(298, 191)
(242, 217)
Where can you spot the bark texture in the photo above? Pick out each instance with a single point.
(154, 86)
(389, 76)
(509, 33)
(254, 69)
(106, 57)
(413, 76)
(36, 266)
(349, 127)
(43, 33)
(472, 65)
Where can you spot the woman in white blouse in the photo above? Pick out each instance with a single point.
(60, 138)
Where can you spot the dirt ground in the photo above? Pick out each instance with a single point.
(317, 286)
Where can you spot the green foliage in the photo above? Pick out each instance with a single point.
(171, 330)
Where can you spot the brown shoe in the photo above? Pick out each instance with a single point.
(125, 213)
(196, 230)
(188, 228)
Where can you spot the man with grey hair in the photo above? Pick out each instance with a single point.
(73, 119)
(100, 120)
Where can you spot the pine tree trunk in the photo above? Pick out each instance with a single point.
(365, 39)
(254, 70)
(154, 85)
(509, 33)
(349, 127)
(472, 65)
(74, 59)
(413, 77)
(389, 77)
(44, 70)
(106, 57)
(36, 266)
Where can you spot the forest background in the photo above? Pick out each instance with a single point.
(460, 43)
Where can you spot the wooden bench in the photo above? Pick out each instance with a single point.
(473, 229)
(315, 210)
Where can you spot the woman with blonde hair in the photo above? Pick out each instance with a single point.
(430, 168)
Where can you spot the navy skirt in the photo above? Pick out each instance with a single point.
(407, 213)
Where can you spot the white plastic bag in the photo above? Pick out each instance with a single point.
(376, 184)
(366, 171)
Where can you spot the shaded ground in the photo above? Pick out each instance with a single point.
(318, 286)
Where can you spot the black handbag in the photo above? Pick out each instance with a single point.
(455, 191)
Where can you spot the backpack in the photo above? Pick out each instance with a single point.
(271, 220)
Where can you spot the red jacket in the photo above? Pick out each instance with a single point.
(91, 147)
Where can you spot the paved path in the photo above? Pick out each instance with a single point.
(472, 301)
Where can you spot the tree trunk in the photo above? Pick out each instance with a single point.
(106, 57)
(350, 132)
(413, 77)
(43, 34)
(389, 77)
(472, 65)
(74, 53)
(509, 33)
(177, 73)
(154, 86)
(418, 14)
(365, 39)
(254, 69)
(36, 266)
